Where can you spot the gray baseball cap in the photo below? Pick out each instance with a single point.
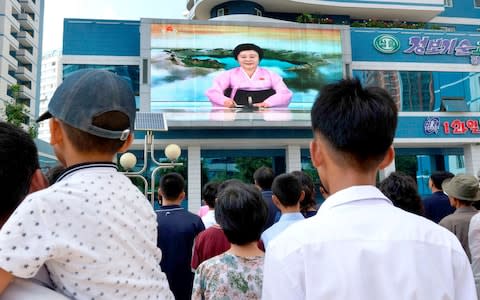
(85, 94)
(463, 187)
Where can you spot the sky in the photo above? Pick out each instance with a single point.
(57, 10)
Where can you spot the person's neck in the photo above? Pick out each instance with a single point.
(167, 202)
(434, 190)
(81, 158)
(247, 250)
(250, 72)
(290, 209)
(460, 205)
(350, 177)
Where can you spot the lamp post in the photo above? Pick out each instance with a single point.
(128, 161)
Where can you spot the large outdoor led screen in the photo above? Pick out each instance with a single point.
(185, 58)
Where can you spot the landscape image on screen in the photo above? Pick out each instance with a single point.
(185, 58)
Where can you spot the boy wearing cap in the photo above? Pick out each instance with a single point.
(93, 229)
(462, 190)
(358, 243)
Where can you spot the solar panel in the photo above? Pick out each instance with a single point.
(150, 121)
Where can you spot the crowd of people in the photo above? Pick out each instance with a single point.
(86, 232)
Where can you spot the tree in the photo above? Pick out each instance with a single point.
(16, 112)
(305, 18)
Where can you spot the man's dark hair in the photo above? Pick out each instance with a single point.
(18, 162)
(241, 213)
(308, 187)
(438, 177)
(85, 142)
(402, 190)
(209, 193)
(287, 188)
(358, 123)
(263, 177)
(172, 185)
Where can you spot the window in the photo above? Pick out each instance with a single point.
(258, 12)
(220, 12)
(448, 3)
(453, 104)
(476, 3)
(448, 28)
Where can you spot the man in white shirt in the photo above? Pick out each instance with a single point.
(359, 246)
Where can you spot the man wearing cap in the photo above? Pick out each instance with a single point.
(462, 191)
(93, 229)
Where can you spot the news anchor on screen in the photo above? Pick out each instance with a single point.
(249, 84)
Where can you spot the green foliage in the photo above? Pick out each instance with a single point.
(248, 165)
(392, 24)
(305, 18)
(407, 164)
(16, 113)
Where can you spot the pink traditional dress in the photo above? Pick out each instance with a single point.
(262, 79)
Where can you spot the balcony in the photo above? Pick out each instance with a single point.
(25, 39)
(28, 6)
(24, 56)
(10, 77)
(16, 7)
(15, 23)
(26, 92)
(406, 10)
(24, 74)
(14, 44)
(26, 22)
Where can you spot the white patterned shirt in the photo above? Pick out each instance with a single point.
(95, 232)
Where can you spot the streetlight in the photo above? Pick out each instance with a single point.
(150, 122)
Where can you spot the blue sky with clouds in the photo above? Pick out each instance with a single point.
(57, 10)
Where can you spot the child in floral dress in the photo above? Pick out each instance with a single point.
(236, 274)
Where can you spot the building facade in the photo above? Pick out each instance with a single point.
(20, 49)
(430, 68)
(50, 79)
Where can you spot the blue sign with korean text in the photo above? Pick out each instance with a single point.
(416, 46)
(438, 126)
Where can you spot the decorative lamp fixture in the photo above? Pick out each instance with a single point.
(128, 160)
(172, 152)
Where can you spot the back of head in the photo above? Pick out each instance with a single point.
(18, 160)
(287, 188)
(241, 213)
(172, 185)
(309, 189)
(209, 193)
(96, 108)
(438, 177)
(358, 123)
(263, 177)
(402, 190)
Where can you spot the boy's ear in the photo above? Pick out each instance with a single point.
(276, 201)
(126, 145)
(302, 196)
(315, 153)
(387, 160)
(56, 133)
(38, 182)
